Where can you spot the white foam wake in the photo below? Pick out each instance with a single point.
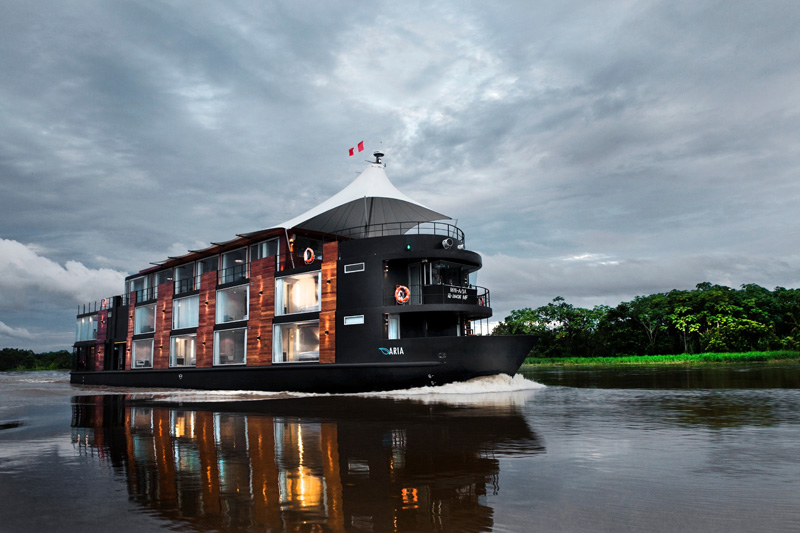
(497, 390)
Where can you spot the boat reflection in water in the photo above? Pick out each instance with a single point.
(332, 463)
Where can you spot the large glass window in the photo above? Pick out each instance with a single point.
(186, 312)
(182, 350)
(164, 276)
(264, 249)
(299, 293)
(394, 326)
(142, 354)
(230, 346)
(144, 319)
(232, 304)
(295, 342)
(184, 278)
(86, 328)
(209, 264)
(234, 266)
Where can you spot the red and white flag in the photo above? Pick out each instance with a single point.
(352, 151)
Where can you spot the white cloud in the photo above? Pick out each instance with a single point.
(25, 276)
(14, 333)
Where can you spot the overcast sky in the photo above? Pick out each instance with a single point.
(591, 150)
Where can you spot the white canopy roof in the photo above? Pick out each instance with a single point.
(369, 200)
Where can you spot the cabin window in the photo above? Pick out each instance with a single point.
(264, 249)
(141, 286)
(184, 278)
(393, 326)
(209, 264)
(353, 320)
(86, 328)
(182, 350)
(144, 319)
(142, 354)
(234, 266)
(165, 276)
(445, 273)
(355, 267)
(299, 293)
(230, 347)
(186, 312)
(232, 304)
(296, 342)
(137, 284)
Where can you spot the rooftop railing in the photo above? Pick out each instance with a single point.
(403, 228)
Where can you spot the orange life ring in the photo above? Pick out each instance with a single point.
(402, 294)
(481, 301)
(105, 303)
(308, 256)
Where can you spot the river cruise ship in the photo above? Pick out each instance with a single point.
(370, 290)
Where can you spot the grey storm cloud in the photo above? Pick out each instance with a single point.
(594, 151)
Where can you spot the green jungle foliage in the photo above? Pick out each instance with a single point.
(710, 318)
(16, 359)
(681, 359)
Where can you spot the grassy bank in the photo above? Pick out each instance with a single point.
(683, 359)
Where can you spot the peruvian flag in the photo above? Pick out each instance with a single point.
(352, 151)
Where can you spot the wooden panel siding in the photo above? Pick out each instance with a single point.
(102, 335)
(163, 325)
(129, 340)
(204, 347)
(261, 312)
(327, 315)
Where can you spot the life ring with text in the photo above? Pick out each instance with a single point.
(402, 294)
(308, 256)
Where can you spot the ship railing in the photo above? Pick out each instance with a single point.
(403, 228)
(233, 274)
(190, 284)
(444, 294)
(103, 303)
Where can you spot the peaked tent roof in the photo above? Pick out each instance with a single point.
(370, 199)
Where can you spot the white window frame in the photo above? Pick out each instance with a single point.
(176, 314)
(219, 319)
(173, 352)
(135, 359)
(277, 343)
(281, 303)
(354, 267)
(393, 329)
(217, 344)
(139, 311)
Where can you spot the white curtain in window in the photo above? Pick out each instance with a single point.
(186, 312)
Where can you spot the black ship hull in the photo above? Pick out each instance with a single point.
(403, 363)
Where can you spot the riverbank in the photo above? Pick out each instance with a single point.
(681, 359)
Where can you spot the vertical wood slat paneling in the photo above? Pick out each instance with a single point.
(261, 312)
(204, 344)
(327, 316)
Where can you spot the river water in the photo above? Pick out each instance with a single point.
(700, 449)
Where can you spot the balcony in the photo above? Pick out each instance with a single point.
(443, 294)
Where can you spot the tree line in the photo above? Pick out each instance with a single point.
(710, 318)
(16, 359)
